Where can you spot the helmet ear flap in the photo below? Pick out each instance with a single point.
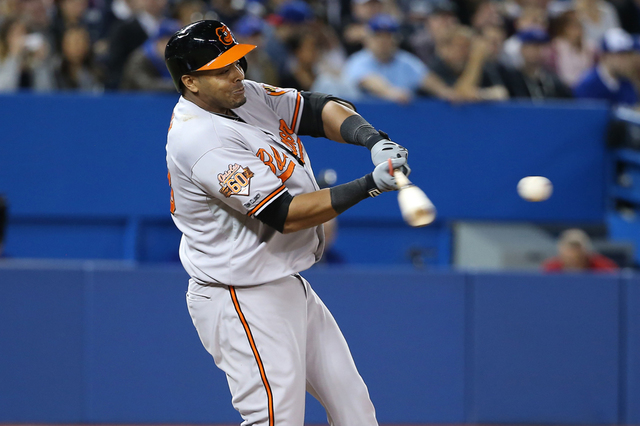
(243, 64)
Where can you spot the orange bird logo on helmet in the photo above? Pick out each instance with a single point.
(224, 35)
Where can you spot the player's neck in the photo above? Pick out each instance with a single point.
(191, 97)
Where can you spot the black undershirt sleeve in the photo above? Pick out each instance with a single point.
(311, 121)
(275, 214)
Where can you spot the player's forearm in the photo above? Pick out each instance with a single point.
(333, 115)
(309, 210)
(314, 208)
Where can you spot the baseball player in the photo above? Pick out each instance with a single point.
(251, 213)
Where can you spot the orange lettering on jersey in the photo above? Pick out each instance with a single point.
(284, 176)
(267, 159)
(282, 162)
(172, 200)
(235, 180)
(286, 137)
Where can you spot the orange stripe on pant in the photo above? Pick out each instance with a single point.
(263, 374)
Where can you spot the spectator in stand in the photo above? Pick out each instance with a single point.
(188, 11)
(459, 62)
(487, 13)
(131, 34)
(249, 30)
(75, 69)
(575, 254)
(597, 16)
(146, 69)
(495, 73)
(354, 32)
(612, 78)
(384, 71)
(74, 13)
(573, 54)
(228, 11)
(534, 81)
(24, 60)
(304, 54)
(290, 19)
(36, 14)
(531, 18)
(438, 21)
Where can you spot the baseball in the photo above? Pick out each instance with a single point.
(535, 188)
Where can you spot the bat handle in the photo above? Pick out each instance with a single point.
(401, 179)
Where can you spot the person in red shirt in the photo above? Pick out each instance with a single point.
(576, 254)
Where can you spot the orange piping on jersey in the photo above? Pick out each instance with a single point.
(172, 200)
(295, 113)
(284, 176)
(171, 123)
(263, 202)
(263, 374)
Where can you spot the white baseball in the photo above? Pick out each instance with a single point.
(535, 188)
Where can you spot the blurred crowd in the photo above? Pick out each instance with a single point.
(398, 50)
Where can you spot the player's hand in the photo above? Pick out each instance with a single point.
(383, 177)
(386, 149)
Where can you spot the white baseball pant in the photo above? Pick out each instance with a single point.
(275, 341)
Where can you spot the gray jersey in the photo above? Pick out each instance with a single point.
(225, 171)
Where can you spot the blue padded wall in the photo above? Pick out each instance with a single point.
(545, 349)
(42, 345)
(113, 343)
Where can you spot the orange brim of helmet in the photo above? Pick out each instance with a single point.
(228, 57)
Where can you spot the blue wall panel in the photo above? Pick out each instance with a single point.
(67, 238)
(406, 333)
(85, 155)
(545, 349)
(632, 328)
(98, 342)
(144, 344)
(359, 242)
(41, 345)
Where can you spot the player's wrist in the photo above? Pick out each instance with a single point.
(351, 193)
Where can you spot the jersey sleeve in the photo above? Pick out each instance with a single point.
(237, 178)
(286, 103)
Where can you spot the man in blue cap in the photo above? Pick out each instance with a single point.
(384, 71)
(610, 80)
(533, 80)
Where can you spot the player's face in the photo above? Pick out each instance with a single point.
(222, 89)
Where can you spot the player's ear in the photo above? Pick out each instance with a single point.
(190, 82)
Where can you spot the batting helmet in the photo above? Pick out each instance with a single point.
(200, 46)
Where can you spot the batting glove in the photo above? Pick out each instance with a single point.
(384, 180)
(385, 149)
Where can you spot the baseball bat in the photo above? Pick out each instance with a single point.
(416, 208)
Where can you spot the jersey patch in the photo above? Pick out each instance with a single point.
(235, 181)
(274, 91)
